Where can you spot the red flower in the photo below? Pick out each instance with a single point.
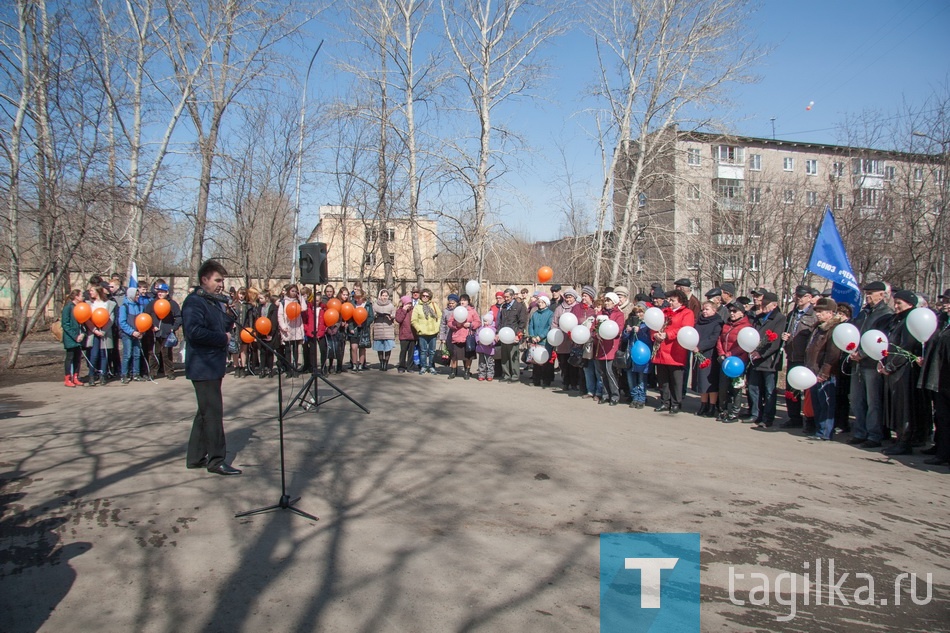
(769, 334)
(706, 363)
(790, 396)
(884, 353)
(880, 340)
(850, 347)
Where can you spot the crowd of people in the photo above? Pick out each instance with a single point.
(902, 397)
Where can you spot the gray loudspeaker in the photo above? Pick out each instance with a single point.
(313, 263)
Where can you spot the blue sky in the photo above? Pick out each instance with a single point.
(846, 56)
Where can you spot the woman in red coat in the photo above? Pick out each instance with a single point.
(726, 347)
(670, 358)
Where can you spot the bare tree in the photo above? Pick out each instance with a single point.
(657, 58)
(496, 46)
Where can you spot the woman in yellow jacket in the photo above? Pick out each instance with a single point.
(426, 318)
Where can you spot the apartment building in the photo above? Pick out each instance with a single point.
(358, 245)
(741, 209)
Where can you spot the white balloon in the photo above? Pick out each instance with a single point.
(506, 335)
(608, 330)
(486, 336)
(801, 378)
(871, 346)
(748, 339)
(460, 313)
(540, 354)
(580, 334)
(555, 337)
(688, 337)
(922, 323)
(846, 337)
(472, 288)
(487, 318)
(654, 318)
(567, 322)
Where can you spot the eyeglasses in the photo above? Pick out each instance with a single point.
(426, 296)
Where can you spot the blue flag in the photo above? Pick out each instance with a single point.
(830, 260)
(133, 276)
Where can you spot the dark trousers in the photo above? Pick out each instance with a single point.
(762, 395)
(73, 363)
(207, 431)
(794, 407)
(670, 380)
(165, 355)
(406, 349)
(510, 357)
(942, 423)
(542, 374)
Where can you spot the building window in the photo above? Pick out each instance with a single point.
(870, 198)
(695, 225)
(755, 229)
(755, 162)
(890, 172)
(692, 264)
(788, 163)
(938, 174)
(372, 234)
(731, 155)
(369, 259)
(811, 198)
(837, 170)
(869, 167)
(839, 201)
(811, 167)
(641, 200)
(692, 192)
(755, 194)
(640, 264)
(789, 196)
(918, 174)
(392, 259)
(754, 263)
(693, 156)
(727, 188)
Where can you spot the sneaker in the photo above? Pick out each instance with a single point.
(433, 371)
(854, 441)
(482, 379)
(138, 379)
(422, 371)
(490, 379)
(125, 380)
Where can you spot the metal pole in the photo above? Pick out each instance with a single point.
(303, 112)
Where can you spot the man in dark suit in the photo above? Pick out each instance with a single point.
(205, 327)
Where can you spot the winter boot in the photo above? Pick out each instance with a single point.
(76, 380)
(69, 381)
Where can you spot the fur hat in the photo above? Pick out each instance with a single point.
(826, 304)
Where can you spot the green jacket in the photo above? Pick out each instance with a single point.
(71, 327)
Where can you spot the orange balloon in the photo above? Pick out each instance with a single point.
(143, 322)
(247, 336)
(162, 308)
(330, 317)
(545, 274)
(292, 310)
(334, 304)
(82, 312)
(359, 315)
(100, 316)
(346, 311)
(262, 325)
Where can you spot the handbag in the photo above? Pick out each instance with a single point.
(234, 346)
(622, 360)
(364, 338)
(172, 340)
(576, 357)
(470, 342)
(443, 357)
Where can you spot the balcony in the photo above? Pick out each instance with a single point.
(728, 239)
(730, 204)
(731, 171)
(868, 181)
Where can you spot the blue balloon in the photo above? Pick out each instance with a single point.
(733, 367)
(640, 353)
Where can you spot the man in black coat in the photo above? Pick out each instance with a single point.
(799, 324)
(766, 361)
(867, 385)
(206, 333)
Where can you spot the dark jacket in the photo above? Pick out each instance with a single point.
(876, 318)
(170, 323)
(709, 330)
(935, 374)
(770, 352)
(205, 329)
(822, 356)
(515, 316)
(799, 325)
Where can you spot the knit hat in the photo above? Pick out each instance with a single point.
(571, 292)
(622, 290)
(499, 294)
(589, 291)
(405, 299)
(453, 297)
(907, 296)
(613, 297)
(544, 299)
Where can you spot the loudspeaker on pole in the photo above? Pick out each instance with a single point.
(313, 263)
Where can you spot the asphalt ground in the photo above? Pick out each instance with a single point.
(453, 506)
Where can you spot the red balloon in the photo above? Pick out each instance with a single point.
(100, 317)
(262, 325)
(334, 304)
(545, 274)
(162, 308)
(360, 315)
(143, 322)
(247, 336)
(292, 310)
(82, 312)
(346, 311)
(331, 317)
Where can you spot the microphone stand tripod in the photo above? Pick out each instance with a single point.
(285, 502)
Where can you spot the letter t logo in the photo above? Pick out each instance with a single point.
(649, 578)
